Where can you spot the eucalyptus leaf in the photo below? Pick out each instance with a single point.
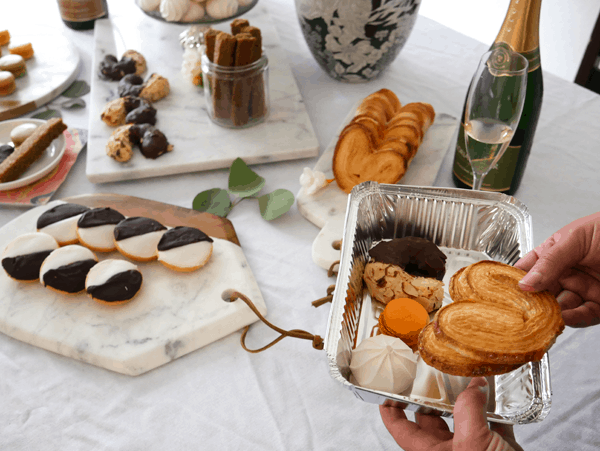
(77, 89)
(73, 104)
(47, 114)
(243, 181)
(275, 204)
(215, 201)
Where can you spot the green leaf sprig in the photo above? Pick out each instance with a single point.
(245, 184)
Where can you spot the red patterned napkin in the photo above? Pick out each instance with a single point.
(40, 191)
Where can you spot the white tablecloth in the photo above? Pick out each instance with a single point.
(221, 397)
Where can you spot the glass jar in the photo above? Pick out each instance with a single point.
(236, 96)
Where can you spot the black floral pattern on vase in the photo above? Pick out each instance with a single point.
(355, 41)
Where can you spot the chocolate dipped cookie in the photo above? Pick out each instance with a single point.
(23, 257)
(61, 222)
(184, 249)
(95, 228)
(113, 281)
(65, 269)
(137, 238)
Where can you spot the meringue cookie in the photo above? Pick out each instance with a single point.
(384, 363)
(221, 9)
(195, 12)
(173, 10)
(312, 181)
(149, 5)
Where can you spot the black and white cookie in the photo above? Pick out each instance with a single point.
(23, 256)
(66, 268)
(184, 248)
(61, 222)
(95, 228)
(113, 281)
(137, 238)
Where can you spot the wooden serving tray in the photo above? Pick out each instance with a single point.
(173, 314)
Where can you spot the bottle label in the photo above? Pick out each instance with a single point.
(500, 176)
(81, 10)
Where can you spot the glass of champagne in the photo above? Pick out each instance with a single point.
(493, 109)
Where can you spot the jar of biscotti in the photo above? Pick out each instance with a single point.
(236, 81)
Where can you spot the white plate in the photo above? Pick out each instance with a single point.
(41, 167)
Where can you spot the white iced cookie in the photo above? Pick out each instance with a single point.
(184, 249)
(173, 10)
(384, 363)
(95, 228)
(113, 281)
(149, 5)
(61, 222)
(195, 12)
(21, 132)
(23, 256)
(66, 268)
(137, 238)
(221, 9)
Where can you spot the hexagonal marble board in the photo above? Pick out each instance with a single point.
(173, 314)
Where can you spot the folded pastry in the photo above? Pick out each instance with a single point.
(381, 140)
(492, 326)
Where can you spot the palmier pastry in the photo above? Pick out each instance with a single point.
(493, 326)
(409, 267)
(380, 141)
(61, 222)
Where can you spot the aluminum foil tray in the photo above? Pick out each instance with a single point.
(468, 226)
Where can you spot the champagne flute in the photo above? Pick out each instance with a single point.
(493, 109)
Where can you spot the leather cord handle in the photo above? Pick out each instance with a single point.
(317, 341)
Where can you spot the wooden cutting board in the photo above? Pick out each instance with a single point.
(173, 314)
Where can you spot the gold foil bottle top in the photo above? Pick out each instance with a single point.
(520, 30)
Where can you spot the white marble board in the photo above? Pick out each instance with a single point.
(327, 207)
(173, 314)
(50, 71)
(198, 143)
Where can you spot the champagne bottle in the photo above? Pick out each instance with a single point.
(81, 14)
(520, 32)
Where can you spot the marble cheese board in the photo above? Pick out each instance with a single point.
(173, 314)
(199, 144)
(327, 207)
(50, 71)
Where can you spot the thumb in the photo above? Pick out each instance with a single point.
(568, 250)
(471, 431)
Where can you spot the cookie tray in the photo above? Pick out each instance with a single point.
(468, 226)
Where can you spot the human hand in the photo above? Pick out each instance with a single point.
(471, 431)
(568, 265)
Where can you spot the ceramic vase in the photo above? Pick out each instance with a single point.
(355, 40)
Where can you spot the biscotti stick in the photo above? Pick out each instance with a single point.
(31, 149)
(209, 42)
(255, 33)
(237, 25)
(240, 111)
(222, 89)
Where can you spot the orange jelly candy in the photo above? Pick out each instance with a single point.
(403, 318)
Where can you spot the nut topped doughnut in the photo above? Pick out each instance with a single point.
(113, 281)
(61, 222)
(184, 248)
(95, 228)
(137, 238)
(22, 258)
(66, 268)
